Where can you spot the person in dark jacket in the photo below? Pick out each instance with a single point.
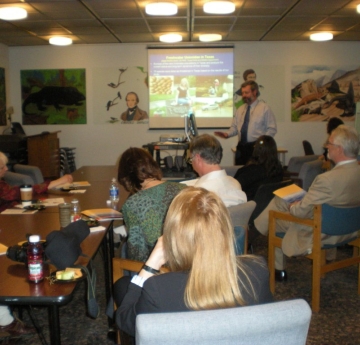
(263, 167)
(198, 247)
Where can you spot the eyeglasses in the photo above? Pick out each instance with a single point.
(191, 158)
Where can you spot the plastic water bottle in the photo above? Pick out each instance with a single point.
(114, 193)
(35, 259)
(75, 212)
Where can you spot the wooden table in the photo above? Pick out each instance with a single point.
(15, 289)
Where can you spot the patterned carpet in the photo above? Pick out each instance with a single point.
(337, 323)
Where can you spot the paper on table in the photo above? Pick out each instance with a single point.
(75, 185)
(18, 211)
(97, 228)
(3, 249)
(77, 191)
(52, 201)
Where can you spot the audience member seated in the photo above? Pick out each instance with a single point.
(10, 195)
(206, 154)
(198, 246)
(337, 187)
(263, 167)
(144, 211)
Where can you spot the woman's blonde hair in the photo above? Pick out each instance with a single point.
(199, 238)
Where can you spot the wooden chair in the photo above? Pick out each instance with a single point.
(121, 265)
(329, 220)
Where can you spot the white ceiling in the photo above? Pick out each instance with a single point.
(125, 21)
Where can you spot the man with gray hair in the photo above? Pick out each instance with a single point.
(206, 154)
(337, 187)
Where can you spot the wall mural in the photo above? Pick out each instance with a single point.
(53, 96)
(321, 92)
(2, 97)
(118, 93)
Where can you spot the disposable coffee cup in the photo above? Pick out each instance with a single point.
(65, 214)
(26, 193)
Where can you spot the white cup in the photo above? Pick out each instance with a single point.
(26, 193)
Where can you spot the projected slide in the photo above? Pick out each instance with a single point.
(190, 79)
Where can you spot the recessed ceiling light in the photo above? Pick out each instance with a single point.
(12, 13)
(219, 7)
(171, 38)
(322, 36)
(60, 41)
(210, 37)
(358, 8)
(161, 9)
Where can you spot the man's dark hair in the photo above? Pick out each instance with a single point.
(208, 147)
(247, 72)
(253, 85)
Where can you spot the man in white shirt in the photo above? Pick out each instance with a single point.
(206, 154)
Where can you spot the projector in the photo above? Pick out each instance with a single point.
(175, 138)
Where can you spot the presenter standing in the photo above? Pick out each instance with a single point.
(253, 119)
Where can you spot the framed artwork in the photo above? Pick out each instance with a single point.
(321, 92)
(53, 96)
(2, 97)
(121, 95)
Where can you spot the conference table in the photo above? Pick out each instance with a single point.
(15, 289)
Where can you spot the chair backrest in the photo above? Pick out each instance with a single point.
(15, 179)
(307, 148)
(285, 322)
(295, 163)
(240, 214)
(32, 171)
(309, 171)
(336, 221)
(264, 195)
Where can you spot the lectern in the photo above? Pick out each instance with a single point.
(43, 152)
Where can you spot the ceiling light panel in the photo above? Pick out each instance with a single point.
(161, 9)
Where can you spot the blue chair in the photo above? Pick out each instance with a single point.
(328, 220)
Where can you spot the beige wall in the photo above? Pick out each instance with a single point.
(101, 144)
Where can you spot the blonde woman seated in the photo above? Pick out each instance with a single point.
(198, 246)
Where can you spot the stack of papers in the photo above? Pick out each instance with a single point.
(290, 193)
(103, 214)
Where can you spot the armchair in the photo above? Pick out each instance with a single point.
(15, 179)
(240, 215)
(285, 322)
(328, 220)
(32, 171)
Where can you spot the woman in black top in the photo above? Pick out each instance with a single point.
(263, 167)
(198, 247)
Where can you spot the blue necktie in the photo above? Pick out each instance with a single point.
(245, 126)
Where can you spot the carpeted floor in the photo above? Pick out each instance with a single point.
(337, 323)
